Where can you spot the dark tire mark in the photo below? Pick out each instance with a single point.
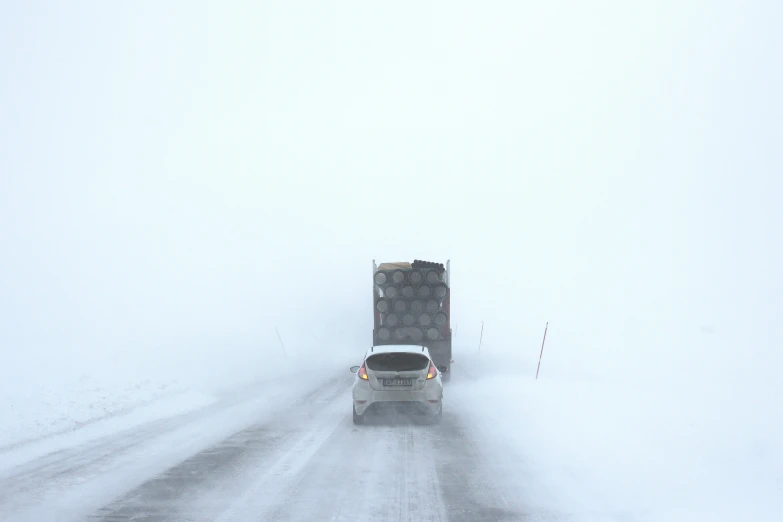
(213, 471)
(466, 485)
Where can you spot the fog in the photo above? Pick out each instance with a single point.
(179, 179)
(180, 182)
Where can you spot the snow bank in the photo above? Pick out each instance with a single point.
(635, 446)
(34, 411)
(130, 417)
(54, 393)
(46, 396)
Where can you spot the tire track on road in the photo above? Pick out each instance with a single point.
(75, 481)
(202, 486)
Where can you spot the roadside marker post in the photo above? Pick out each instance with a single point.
(542, 349)
(281, 341)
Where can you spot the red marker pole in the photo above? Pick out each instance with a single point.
(542, 349)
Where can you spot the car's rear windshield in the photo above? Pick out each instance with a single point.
(397, 362)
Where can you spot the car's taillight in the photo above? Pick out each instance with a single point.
(363, 373)
(432, 373)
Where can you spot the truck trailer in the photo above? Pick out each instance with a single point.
(412, 305)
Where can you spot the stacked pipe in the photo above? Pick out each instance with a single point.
(418, 263)
(410, 302)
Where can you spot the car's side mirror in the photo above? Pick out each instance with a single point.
(354, 369)
(442, 368)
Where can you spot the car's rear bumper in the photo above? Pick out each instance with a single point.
(427, 400)
(403, 407)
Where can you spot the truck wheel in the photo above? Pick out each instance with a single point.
(357, 419)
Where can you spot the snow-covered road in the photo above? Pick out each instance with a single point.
(509, 448)
(244, 459)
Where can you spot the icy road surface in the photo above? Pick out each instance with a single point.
(241, 459)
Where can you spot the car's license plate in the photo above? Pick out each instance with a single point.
(398, 382)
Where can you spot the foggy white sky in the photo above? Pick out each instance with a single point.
(189, 172)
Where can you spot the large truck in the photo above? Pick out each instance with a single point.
(412, 305)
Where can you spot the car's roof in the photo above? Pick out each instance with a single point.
(397, 348)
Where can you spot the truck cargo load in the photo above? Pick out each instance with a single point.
(391, 266)
(412, 305)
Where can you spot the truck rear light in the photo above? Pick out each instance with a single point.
(360, 402)
(431, 374)
(363, 373)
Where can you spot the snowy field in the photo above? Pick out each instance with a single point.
(33, 409)
(629, 450)
(692, 433)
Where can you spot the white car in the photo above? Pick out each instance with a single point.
(398, 376)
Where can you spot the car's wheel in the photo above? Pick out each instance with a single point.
(357, 419)
(437, 417)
